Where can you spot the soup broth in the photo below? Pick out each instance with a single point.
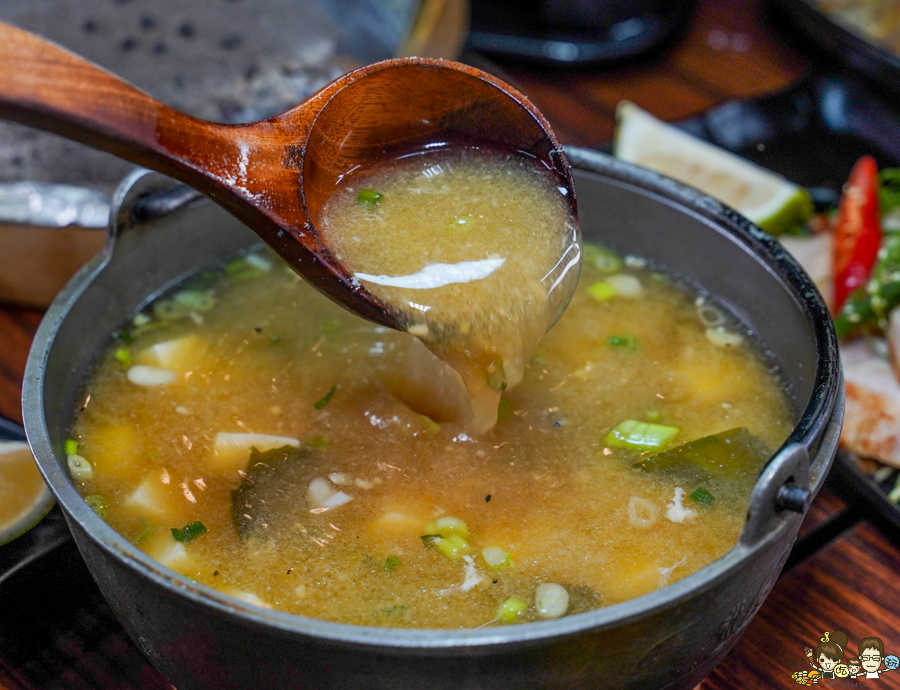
(250, 434)
(479, 253)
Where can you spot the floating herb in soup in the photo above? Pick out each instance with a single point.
(250, 434)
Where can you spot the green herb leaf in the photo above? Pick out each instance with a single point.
(702, 497)
(369, 196)
(189, 532)
(391, 563)
(325, 400)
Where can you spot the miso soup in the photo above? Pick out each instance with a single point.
(251, 435)
(477, 251)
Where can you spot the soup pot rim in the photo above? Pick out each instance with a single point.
(826, 399)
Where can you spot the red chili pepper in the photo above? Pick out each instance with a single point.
(858, 230)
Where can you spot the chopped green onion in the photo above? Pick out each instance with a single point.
(602, 292)
(369, 196)
(496, 557)
(652, 415)
(98, 504)
(188, 532)
(601, 258)
(504, 410)
(319, 404)
(149, 454)
(391, 563)
(71, 446)
(637, 435)
(430, 540)
(453, 546)
(511, 609)
(702, 497)
(316, 441)
(80, 468)
(446, 526)
(144, 533)
(170, 310)
(195, 300)
(622, 341)
(125, 337)
(123, 355)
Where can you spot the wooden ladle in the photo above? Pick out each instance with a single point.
(276, 175)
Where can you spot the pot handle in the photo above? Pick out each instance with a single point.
(46, 536)
(782, 488)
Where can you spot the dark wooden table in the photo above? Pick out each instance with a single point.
(846, 575)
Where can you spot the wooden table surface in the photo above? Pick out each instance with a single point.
(731, 50)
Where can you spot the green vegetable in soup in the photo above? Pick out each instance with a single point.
(391, 563)
(189, 532)
(636, 435)
(369, 196)
(512, 609)
(702, 497)
(726, 455)
(271, 492)
(319, 404)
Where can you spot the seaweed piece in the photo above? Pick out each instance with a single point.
(726, 455)
(271, 489)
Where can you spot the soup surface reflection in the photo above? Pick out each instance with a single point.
(250, 434)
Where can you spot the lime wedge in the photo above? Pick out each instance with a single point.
(24, 498)
(772, 202)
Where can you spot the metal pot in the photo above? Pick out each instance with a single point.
(670, 638)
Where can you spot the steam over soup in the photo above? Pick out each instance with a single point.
(479, 253)
(250, 434)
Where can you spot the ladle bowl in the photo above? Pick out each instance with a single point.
(275, 175)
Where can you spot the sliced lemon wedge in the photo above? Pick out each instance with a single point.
(24, 498)
(769, 200)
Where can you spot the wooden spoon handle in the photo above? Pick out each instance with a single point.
(45, 86)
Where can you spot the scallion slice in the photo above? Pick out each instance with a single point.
(369, 196)
(511, 609)
(71, 447)
(391, 563)
(601, 291)
(636, 435)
